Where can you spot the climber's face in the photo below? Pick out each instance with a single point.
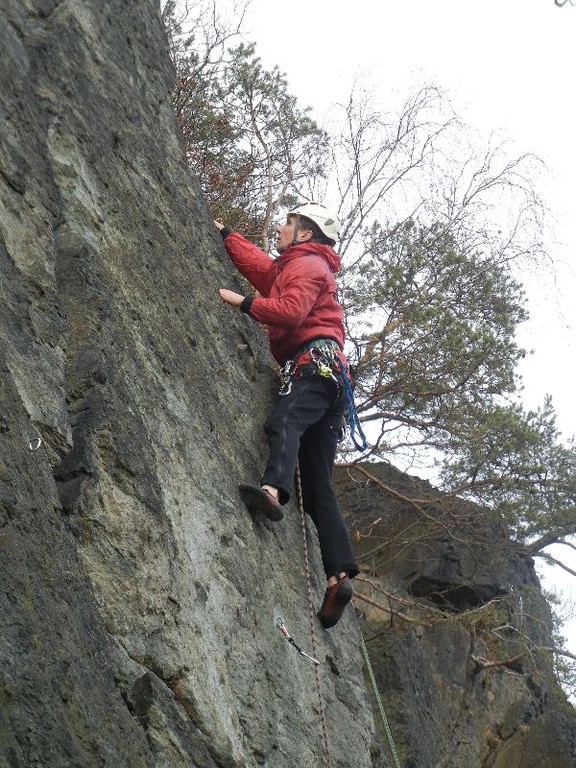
(285, 234)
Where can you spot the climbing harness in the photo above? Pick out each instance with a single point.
(318, 355)
(282, 627)
(385, 722)
(322, 354)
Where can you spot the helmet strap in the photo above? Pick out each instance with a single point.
(296, 230)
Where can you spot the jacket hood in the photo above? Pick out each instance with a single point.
(318, 249)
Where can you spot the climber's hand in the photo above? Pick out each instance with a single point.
(235, 299)
(219, 224)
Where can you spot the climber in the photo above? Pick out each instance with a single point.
(298, 304)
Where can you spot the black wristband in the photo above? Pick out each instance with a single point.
(246, 303)
(225, 232)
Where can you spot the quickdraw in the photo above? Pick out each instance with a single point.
(325, 360)
(286, 378)
(282, 627)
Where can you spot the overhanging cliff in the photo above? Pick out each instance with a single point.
(457, 627)
(139, 599)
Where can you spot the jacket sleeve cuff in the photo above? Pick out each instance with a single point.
(245, 306)
(225, 232)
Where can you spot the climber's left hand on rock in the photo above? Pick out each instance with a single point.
(235, 299)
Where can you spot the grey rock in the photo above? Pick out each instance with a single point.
(444, 595)
(140, 599)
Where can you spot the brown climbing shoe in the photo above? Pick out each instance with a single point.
(259, 500)
(336, 599)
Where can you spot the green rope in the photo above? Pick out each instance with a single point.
(380, 706)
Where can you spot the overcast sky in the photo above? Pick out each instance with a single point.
(508, 66)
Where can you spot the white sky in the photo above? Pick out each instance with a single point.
(508, 66)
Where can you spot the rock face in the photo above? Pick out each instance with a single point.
(139, 599)
(457, 629)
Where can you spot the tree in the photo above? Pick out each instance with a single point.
(517, 465)
(436, 237)
(283, 142)
(248, 141)
(420, 162)
(198, 44)
(432, 329)
(383, 162)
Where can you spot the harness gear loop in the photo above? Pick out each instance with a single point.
(311, 615)
(324, 358)
(286, 378)
(282, 627)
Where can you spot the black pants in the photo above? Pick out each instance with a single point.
(305, 427)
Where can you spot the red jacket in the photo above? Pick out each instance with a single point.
(298, 292)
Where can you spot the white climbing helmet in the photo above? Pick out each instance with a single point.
(327, 221)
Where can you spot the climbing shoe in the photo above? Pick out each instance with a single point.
(336, 599)
(259, 500)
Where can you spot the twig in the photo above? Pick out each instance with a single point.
(390, 611)
(550, 559)
(485, 664)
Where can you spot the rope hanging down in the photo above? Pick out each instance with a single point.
(286, 634)
(385, 722)
(325, 744)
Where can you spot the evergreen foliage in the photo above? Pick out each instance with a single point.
(248, 141)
